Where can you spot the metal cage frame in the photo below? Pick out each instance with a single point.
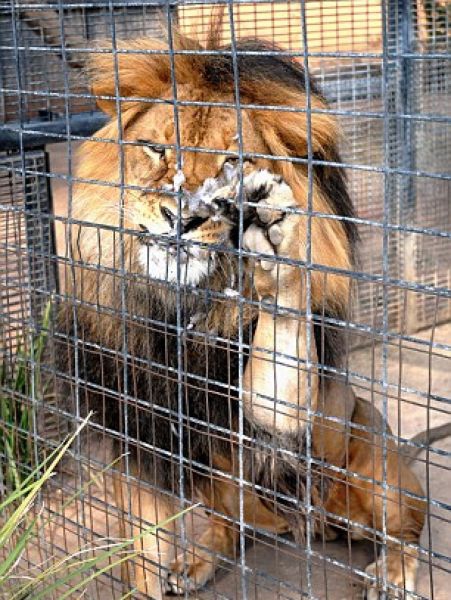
(385, 70)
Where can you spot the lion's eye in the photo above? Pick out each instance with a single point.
(153, 150)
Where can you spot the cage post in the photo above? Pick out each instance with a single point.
(28, 250)
(407, 44)
(402, 101)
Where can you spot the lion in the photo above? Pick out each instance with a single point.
(209, 290)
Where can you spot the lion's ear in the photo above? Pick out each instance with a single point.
(139, 69)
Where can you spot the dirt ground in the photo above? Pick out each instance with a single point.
(268, 563)
(415, 373)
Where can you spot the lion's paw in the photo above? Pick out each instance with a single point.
(403, 579)
(189, 575)
(273, 232)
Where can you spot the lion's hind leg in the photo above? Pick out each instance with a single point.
(405, 513)
(404, 523)
(367, 499)
(401, 573)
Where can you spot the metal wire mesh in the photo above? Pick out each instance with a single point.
(27, 243)
(384, 69)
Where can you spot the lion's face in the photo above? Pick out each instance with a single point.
(152, 163)
(132, 185)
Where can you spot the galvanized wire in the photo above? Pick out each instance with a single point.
(391, 97)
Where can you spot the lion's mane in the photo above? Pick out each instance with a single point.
(134, 366)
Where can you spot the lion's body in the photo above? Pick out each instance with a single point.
(162, 350)
(147, 310)
(150, 397)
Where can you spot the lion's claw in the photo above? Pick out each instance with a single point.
(256, 240)
(269, 196)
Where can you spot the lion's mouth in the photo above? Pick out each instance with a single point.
(175, 258)
(182, 249)
(176, 261)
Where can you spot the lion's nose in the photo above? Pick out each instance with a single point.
(193, 223)
(188, 223)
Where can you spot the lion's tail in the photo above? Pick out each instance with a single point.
(411, 449)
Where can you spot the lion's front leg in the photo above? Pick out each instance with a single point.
(279, 374)
(154, 548)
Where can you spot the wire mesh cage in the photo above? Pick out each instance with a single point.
(241, 273)
(27, 269)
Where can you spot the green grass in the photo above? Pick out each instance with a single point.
(18, 380)
(60, 577)
(21, 519)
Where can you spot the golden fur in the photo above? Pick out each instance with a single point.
(144, 73)
(264, 131)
